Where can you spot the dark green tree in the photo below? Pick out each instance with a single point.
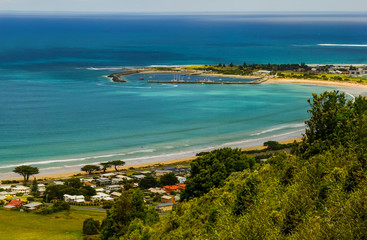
(148, 182)
(90, 168)
(116, 163)
(168, 179)
(34, 189)
(129, 206)
(73, 182)
(105, 166)
(211, 169)
(91, 226)
(26, 172)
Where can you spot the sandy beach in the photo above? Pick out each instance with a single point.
(317, 82)
(148, 165)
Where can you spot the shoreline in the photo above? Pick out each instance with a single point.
(69, 174)
(316, 82)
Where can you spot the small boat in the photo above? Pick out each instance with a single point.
(141, 78)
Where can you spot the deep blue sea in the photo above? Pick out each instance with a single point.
(58, 109)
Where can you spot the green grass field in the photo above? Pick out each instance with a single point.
(58, 226)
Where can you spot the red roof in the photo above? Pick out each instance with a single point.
(173, 187)
(88, 183)
(182, 186)
(16, 203)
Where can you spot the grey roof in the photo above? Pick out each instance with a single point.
(165, 204)
(33, 205)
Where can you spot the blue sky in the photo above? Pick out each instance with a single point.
(182, 5)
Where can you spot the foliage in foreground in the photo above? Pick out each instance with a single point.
(319, 193)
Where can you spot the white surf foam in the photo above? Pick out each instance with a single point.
(341, 45)
(280, 127)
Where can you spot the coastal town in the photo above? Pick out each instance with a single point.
(161, 185)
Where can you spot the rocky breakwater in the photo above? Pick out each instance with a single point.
(118, 77)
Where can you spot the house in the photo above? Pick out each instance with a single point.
(169, 189)
(123, 177)
(115, 194)
(100, 190)
(14, 204)
(164, 207)
(107, 175)
(145, 172)
(21, 189)
(104, 181)
(34, 206)
(7, 193)
(262, 72)
(138, 177)
(74, 198)
(159, 173)
(113, 187)
(156, 190)
(181, 186)
(41, 187)
(90, 184)
(167, 199)
(101, 197)
(116, 180)
(181, 179)
(58, 183)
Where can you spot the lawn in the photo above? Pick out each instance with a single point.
(30, 226)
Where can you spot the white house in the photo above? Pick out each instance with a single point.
(123, 177)
(21, 189)
(101, 197)
(74, 198)
(58, 183)
(106, 175)
(181, 179)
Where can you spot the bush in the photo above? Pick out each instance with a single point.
(30, 199)
(60, 206)
(91, 226)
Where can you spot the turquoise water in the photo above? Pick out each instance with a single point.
(58, 110)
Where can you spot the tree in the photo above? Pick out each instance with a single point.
(116, 163)
(91, 226)
(73, 182)
(34, 189)
(211, 170)
(148, 182)
(129, 206)
(90, 169)
(272, 145)
(26, 171)
(168, 179)
(105, 166)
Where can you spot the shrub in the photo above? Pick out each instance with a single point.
(91, 226)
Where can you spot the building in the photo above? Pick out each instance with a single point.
(74, 198)
(115, 194)
(164, 207)
(167, 199)
(58, 183)
(156, 190)
(123, 177)
(90, 184)
(21, 189)
(34, 206)
(169, 189)
(101, 197)
(113, 187)
(181, 179)
(13, 205)
(138, 177)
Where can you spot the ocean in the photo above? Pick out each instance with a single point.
(58, 110)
